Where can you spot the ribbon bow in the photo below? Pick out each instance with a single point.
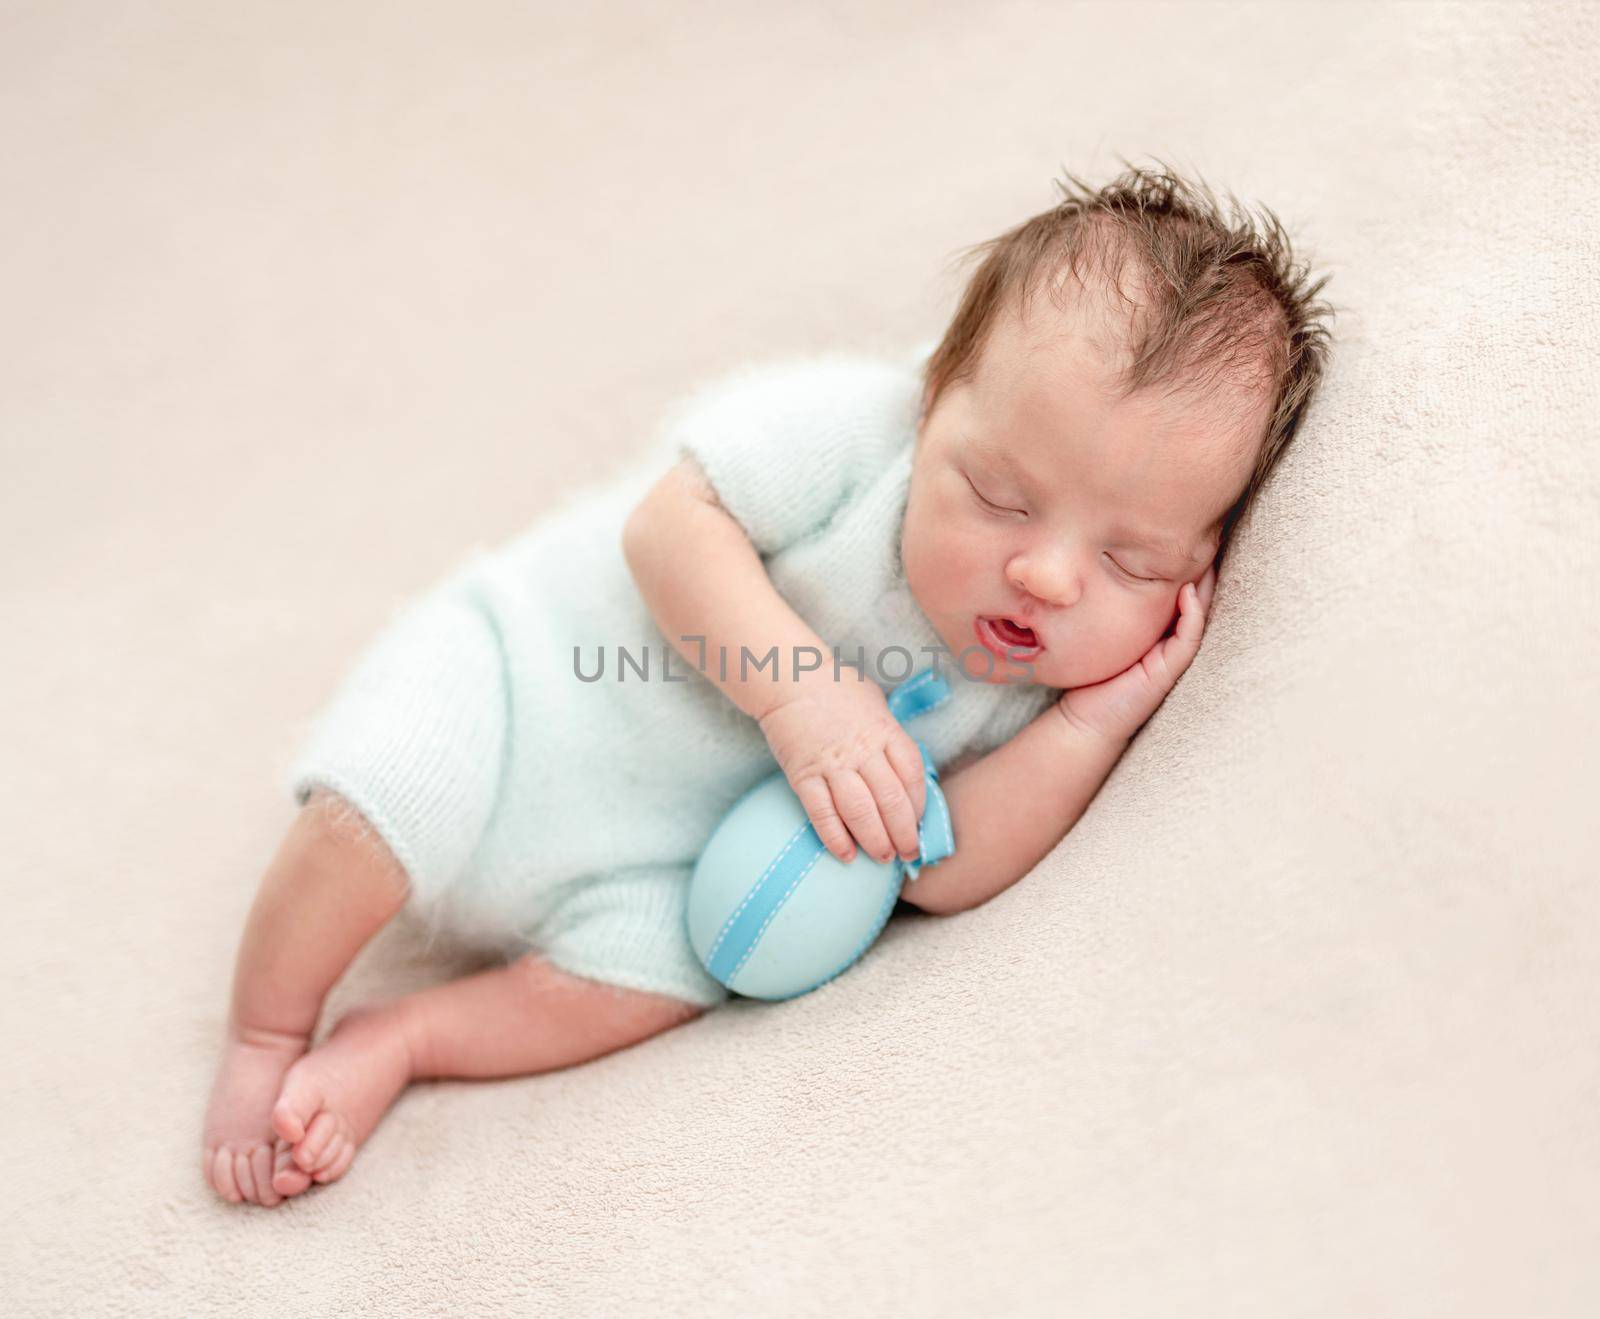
(935, 836)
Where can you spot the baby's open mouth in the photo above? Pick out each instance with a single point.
(1001, 635)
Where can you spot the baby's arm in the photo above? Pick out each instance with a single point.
(856, 771)
(700, 577)
(1009, 808)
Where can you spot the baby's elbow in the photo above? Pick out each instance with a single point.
(642, 531)
(635, 532)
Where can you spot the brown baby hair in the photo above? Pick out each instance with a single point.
(1221, 295)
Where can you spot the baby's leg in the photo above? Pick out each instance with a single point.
(330, 887)
(509, 1021)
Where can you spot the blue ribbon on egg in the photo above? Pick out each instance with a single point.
(935, 836)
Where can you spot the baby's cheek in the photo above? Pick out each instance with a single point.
(1142, 622)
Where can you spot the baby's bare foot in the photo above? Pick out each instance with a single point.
(333, 1097)
(240, 1152)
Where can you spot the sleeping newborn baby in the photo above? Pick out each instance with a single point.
(534, 752)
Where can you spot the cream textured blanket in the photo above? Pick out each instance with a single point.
(303, 301)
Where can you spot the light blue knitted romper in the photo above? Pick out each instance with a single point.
(536, 810)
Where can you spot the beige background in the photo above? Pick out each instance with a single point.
(301, 302)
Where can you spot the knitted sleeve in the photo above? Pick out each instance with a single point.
(414, 735)
(786, 444)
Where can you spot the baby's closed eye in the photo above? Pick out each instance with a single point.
(1133, 575)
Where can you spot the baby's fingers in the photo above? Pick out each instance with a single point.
(1179, 649)
(1191, 617)
(894, 806)
(859, 807)
(815, 796)
(906, 757)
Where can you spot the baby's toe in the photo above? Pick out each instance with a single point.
(341, 1161)
(244, 1176)
(332, 1154)
(261, 1171)
(308, 1153)
(221, 1175)
(287, 1179)
(297, 1104)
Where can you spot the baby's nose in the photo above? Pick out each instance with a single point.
(1044, 587)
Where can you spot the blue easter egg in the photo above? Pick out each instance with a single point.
(772, 913)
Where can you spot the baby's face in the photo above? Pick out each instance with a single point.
(1037, 497)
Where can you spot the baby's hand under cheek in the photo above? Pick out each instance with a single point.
(1118, 707)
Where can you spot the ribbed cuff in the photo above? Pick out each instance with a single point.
(414, 737)
(630, 929)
